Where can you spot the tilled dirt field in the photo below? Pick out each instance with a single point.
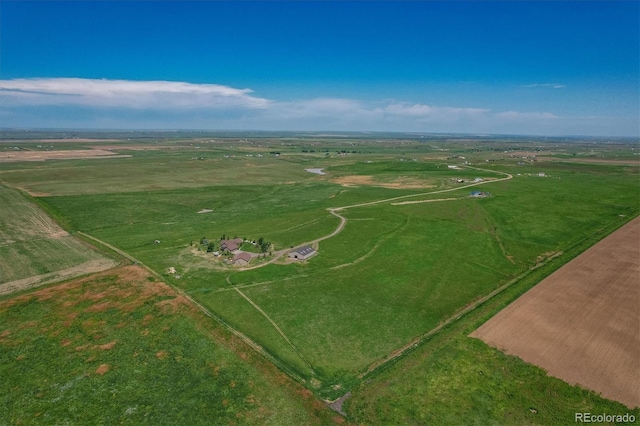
(582, 323)
(57, 155)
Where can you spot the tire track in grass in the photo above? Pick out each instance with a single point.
(385, 237)
(343, 220)
(278, 329)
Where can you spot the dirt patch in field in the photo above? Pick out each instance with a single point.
(399, 183)
(39, 280)
(70, 140)
(11, 156)
(582, 323)
(103, 369)
(138, 147)
(108, 346)
(610, 161)
(171, 306)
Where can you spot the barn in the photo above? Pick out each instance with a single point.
(302, 253)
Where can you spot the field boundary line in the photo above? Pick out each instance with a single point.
(459, 314)
(207, 312)
(86, 268)
(402, 203)
(117, 250)
(456, 316)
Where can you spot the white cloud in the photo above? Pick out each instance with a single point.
(433, 113)
(126, 93)
(551, 85)
(514, 115)
(76, 102)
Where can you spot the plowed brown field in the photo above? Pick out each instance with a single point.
(582, 323)
(58, 155)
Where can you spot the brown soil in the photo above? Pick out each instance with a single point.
(108, 346)
(70, 140)
(629, 162)
(39, 280)
(57, 155)
(582, 323)
(140, 147)
(173, 305)
(400, 183)
(102, 369)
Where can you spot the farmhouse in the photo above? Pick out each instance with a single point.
(231, 245)
(302, 253)
(241, 258)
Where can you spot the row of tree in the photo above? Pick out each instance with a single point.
(211, 245)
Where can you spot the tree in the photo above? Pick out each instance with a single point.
(260, 241)
(211, 247)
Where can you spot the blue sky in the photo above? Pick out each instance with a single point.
(547, 68)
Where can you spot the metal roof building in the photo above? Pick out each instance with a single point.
(302, 253)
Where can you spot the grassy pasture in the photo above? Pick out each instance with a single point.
(120, 348)
(452, 378)
(392, 274)
(32, 244)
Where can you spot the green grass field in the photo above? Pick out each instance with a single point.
(31, 244)
(121, 348)
(452, 378)
(393, 273)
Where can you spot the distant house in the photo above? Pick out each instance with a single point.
(241, 258)
(302, 253)
(231, 245)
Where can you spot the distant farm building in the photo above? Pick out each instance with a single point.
(302, 253)
(242, 258)
(231, 245)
